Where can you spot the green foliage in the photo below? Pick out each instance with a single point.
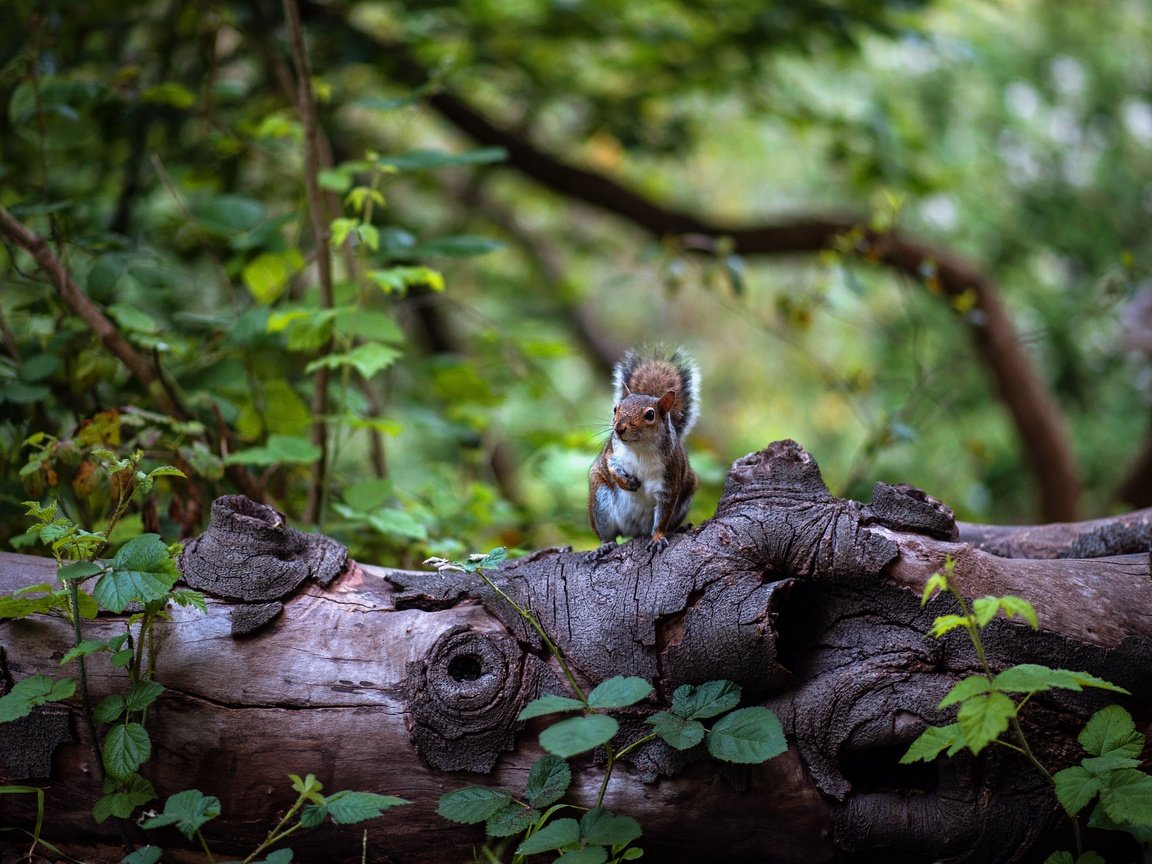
(749, 735)
(29, 692)
(1109, 774)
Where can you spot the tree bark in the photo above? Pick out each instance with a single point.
(408, 683)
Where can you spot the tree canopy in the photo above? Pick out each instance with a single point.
(377, 275)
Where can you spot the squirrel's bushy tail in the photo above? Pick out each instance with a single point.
(653, 372)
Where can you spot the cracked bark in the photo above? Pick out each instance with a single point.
(408, 683)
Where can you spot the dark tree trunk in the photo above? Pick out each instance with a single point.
(408, 683)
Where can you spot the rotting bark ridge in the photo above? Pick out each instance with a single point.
(387, 680)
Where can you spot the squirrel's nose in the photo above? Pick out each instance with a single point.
(620, 427)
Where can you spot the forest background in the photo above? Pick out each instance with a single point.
(910, 235)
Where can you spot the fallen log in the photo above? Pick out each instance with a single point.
(409, 683)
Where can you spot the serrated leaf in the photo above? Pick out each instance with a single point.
(554, 835)
(1111, 730)
(548, 780)
(1086, 680)
(1097, 765)
(547, 704)
(29, 692)
(675, 731)
(965, 689)
(133, 791)
(946, 624)
(126, 748)
(603, 828)
(367, 359)
(747, 736)
(1126, 796)
(1075, 787)
(348, 807)
(110, 708)
(1100, 819)
(189, 811)
(619, 692)
(982, 719)
(932, 742)
(391, 521)
(936, 582)
(578, 734)
(279, 856)
(78, 570)
(706, 700)
(142, 694)
(84, 649)
(512, 819)
(1018, 607)
(471, 804)
(984, 609)
(144, 855)
(142, 570)
(584, 855)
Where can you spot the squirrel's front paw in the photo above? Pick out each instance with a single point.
(627, 482)
(657, 542)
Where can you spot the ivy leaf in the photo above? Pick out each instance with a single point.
(189, 811)
(554, 835)
(603, 828)
(126, 748)
(619, 692)
(971, 686)
(676, 732)
(547, 704)
(578, 734)
(747, 736)
(472, 804)
(983, 718)
(932, 742)
(706, 700)
(29, 692)
(1075, 787)
(548, 780)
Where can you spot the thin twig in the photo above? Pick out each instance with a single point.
(306, 104)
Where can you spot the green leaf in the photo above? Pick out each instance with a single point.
(472, 804)
(548, 780)
(619, 692)
(1018, 607)
(932, 742)
(554, 835)
(946, 624)
(126, 748)
(416, 160)
(1075, 787)
(706, 700)
(676, 731)
(936, 582)
(982, 719)
(1086, 680)
(397, 280)
(578, 734)
(549, 703)
(1100, 819)
(348, 808)
(84, 649)
(280, 450)
(1097, 765)
(965, 689)
(512, 819)
(228, 214)
(27, 693)
(603, 828)
(279, 856)
(142, 694)
(122, 797)
(398, 523)
(78, 570)
(747, 736)
(110, 709)
(144, 855)
(1111, 730)
(984, 609)
(189, 811)
(367, 359)
(584, 855)
(142, 570)
(1126, 796)
(267, 275)
(461, 246)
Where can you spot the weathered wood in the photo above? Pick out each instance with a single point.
(393, 681)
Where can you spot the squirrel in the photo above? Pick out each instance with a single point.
(642, 484)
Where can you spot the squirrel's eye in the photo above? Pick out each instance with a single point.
(649, 415)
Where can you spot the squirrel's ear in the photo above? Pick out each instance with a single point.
(625, 390)
(667, 401)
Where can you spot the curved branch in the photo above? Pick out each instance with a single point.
(1038, 419)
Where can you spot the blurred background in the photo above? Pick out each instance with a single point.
(912, 236)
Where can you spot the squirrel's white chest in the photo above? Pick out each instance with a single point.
(646, 464)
